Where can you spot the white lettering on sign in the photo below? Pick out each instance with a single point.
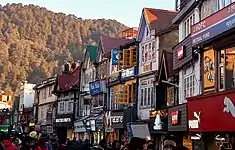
(63, 120)
(194, 124)
(116, 119)
(128, 72)
(201, 38)
(199, 26)
(180, 52)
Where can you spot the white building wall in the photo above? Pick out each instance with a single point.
(27, 95)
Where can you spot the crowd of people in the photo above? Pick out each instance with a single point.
(45, 142)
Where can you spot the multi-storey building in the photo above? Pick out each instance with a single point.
(45, 105)
(88, 73)
(186, 66)
(67, 91)
(212, 113)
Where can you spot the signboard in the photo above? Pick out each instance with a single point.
(63, 120)
(79, 127)
(115, 56)
(212, 113)
(97, 87)
(214, 25)
(116, 119)
(128, 72)
(180, 52)
(175, 117)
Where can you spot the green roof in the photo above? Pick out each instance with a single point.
(92, 50)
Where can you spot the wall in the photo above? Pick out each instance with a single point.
(45, 95)
(208, 7)
(27, 95)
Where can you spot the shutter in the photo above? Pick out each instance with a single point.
(126, 58)
(133, 57)
(120, 60)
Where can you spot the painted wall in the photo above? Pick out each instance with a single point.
(27, 95)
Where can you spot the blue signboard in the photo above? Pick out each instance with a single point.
(213, 31)
(115, 56)
(97, 87)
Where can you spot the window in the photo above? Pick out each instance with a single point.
(97, 100)
(70, 106)
(148, 51)
(147, 93)
(50, 90)
(62, 106)
(128, 58)
(188, 82)
(187, 25)
(42, 117)
(223, 3)
(226, 68)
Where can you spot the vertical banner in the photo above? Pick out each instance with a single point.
(115, 56)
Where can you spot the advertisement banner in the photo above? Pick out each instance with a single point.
(115, 56)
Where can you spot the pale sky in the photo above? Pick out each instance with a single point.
(124, 11)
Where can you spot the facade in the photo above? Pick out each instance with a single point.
(45, 108)
(26, 95)
(213, 38)
(67, 91)
(155, 34)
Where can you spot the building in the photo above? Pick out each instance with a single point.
(45, 105)
(67, 91)
(186, 66)
(212, 113)
(26, 117)
(156, 33)
(88, 73)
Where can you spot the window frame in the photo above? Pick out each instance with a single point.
(187, 74)
(147, 90)
(186, 26)
(147, 51)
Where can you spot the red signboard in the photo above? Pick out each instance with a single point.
(214, 112)
(180, 52)
(175, 117)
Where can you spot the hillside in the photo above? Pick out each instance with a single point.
(35, 42)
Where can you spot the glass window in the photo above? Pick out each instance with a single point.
(145, 96)
(152, 97)
(143, 54)
(142, 97)
(188, 84)
(230, 68)
(149, 97)
(221, 56)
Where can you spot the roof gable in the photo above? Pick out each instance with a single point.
(92, 52)
(156, 19)
(166, 65)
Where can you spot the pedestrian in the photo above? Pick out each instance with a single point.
(7, 143)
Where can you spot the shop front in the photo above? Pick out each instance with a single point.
(116, 120)
(211, 120)
(80, 130)
(158, 125)
(99, 95)
(178, 125)
(64, 127)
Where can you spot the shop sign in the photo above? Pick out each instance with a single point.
(157, 123)
(79, 127)
(114, 77)
(229, 106)
(180, 52)
(194, 124)
(63, 120)
(175, 117)
(115, 56)
(92, 125)
(128, 72)
(116, 119)
(97, 87)
(213, 25)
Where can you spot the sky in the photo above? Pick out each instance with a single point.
(124, 11)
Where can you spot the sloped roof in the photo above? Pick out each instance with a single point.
(108, 43)
(92, 51)
(68, 81)
(159, 19)
(167, 63)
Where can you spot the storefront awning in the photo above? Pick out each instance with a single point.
(140, 130)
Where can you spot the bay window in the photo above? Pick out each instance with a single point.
(226, 68)
(147, 94)
(148, 51)
(188, 82)
(186, 30)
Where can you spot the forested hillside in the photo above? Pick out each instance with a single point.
(35, 42)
